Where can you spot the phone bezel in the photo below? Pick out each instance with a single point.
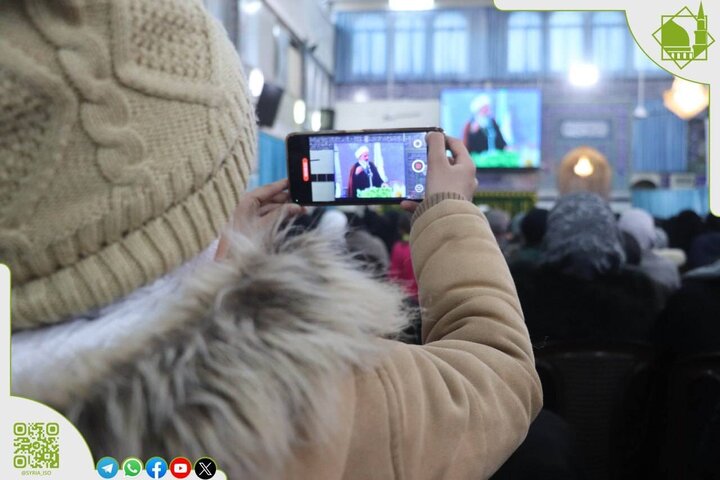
(297, 145)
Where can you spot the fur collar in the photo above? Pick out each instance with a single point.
(246, 352)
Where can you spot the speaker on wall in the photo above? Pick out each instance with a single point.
(327, 119)
(268, 103)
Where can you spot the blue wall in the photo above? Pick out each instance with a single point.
(272, 163)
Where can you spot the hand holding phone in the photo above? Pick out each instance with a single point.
(358, 167)
(454, 174)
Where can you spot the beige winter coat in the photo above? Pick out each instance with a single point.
(270, 362)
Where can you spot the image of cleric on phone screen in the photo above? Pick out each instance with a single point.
(364, 173)
(368, 172)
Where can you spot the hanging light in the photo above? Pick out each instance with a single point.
(251, 7)
(640, 111)
(361, 96)
(686, 99)
(316, 121)
(299, 112)
(256, 82)
(584, 168)
(411, 4)
(584, 74)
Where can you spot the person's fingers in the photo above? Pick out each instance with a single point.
(281, 211)
(270, 207)
(409, 205)
(267, 192)
(436, 147)
(459, 151)
(222, 248)
(282, 197)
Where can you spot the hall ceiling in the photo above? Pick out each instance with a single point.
(339, 5)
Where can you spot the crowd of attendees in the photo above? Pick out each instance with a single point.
(583, 274)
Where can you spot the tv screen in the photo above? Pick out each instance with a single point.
(500, 127)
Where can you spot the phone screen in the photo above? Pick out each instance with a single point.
(361, 167)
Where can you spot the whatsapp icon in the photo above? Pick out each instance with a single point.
(132, 467)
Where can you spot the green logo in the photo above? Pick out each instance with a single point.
(684, 37)
(132, 467)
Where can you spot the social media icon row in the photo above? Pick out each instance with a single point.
(157, 467)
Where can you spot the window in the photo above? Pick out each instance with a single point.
(450, 44)
(409, 55)
(642, 62)
(524, 42)
(609, 36)
(566, 39)
(318, 85)
(368, 46)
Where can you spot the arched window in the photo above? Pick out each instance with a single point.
(566, 39)
(369, 46)
(524, 42)
(609, 34)
(450, 44)
(409, 55)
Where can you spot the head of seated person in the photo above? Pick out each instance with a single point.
(533, 226)
(582, 237)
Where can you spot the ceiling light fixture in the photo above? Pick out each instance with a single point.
(584, 168)
(686, 99)
(299, 112)
(316, 121)
(584, 75)
(411, 4)
(251, 7)
(256, 82)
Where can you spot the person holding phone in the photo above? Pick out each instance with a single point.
(269, 351)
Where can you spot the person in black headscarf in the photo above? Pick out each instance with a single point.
(532, 226)
(582, 289)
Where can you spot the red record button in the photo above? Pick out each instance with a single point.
(418, 166)
(180, 467)
(305, 169)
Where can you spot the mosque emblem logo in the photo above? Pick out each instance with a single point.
(684, 37)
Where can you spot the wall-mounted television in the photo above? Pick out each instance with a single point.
(500, 127)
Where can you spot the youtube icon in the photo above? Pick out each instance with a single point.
(180, 467)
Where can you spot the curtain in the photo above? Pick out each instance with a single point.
(609, 38)
(450, 44)
(409, 42)
(664, 203)
(369, 33)
(660, 141)
(524, 53)
(482, 44)
(272, 163)
(566, 39)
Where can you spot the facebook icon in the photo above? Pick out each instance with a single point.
(156, 467)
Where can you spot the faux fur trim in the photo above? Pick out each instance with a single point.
(242, 361)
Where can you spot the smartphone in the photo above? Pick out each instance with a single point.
(357, 167)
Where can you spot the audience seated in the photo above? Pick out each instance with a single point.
(704, 249)
(641, 226)
(499, 221)
(582, 289)
(532, 226)
(683, 228)
(401, 269)
(691, 321)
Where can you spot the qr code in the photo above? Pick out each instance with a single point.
(35, 445)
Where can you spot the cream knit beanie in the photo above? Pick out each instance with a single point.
(126, 138)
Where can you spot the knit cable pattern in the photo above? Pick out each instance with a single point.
(105, 113)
